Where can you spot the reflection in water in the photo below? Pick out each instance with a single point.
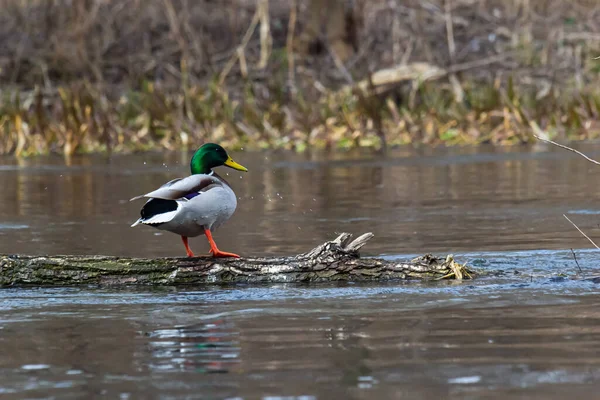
(444, 200)
(504, 337)
(490, 338)
(205, 348)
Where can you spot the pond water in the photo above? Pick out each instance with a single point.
(532, 334)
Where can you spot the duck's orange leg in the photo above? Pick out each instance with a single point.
(189, 252)
(213, 247)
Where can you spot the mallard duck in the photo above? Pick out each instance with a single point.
(197, 204)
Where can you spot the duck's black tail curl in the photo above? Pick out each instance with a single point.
(155, 207)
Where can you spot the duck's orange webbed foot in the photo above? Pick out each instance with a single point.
(214, 250)
(218, 254)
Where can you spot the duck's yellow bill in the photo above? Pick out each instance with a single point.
(232, 164)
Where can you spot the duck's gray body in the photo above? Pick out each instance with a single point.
(188, 206)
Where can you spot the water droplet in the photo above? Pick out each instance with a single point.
(465, 379)
(74, 372)
(34, 367)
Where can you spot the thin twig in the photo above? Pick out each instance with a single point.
(576, 262)
(266, 40)
(459, 93)
(449, 29)
(290, 46)
(235, 57)
(567, 148)
(580, 231)
(243, 64)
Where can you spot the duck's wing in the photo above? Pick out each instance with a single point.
(183, 187)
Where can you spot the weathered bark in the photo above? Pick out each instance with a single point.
(337, 260)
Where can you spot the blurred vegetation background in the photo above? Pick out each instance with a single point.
(134, 75)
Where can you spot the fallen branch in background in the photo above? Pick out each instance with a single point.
(337, 260)
(386, 78)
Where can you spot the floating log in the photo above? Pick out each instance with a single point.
(337, 260)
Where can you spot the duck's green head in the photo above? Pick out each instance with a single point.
(211, 155)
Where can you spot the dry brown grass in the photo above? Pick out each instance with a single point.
(93, 75)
